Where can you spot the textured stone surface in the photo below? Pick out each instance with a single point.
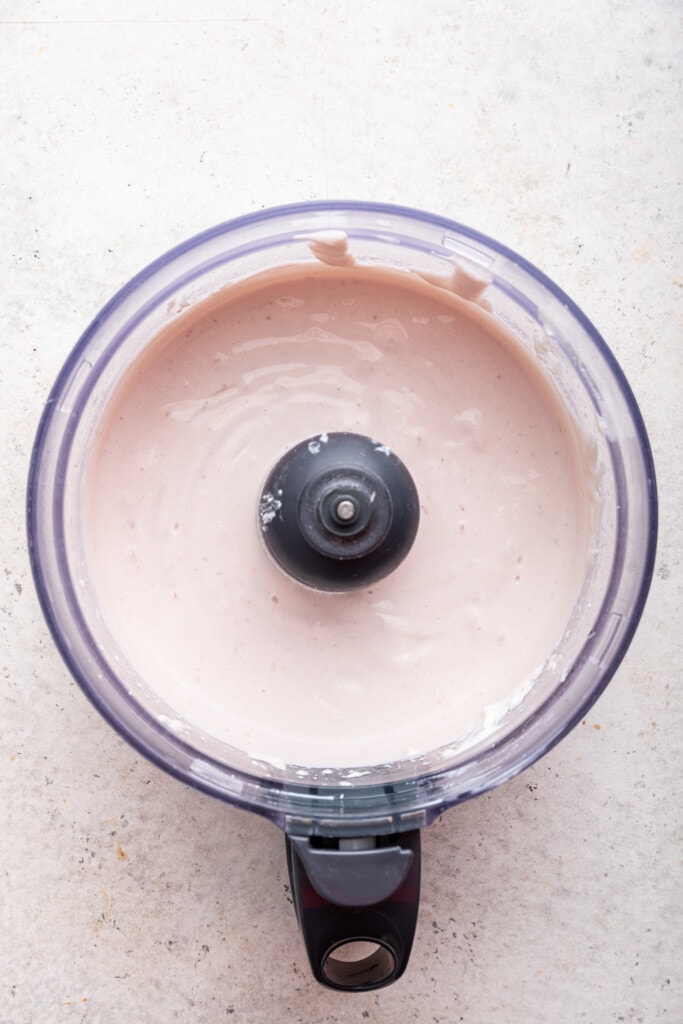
(127, 127)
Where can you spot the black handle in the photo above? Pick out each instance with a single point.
(356, 902)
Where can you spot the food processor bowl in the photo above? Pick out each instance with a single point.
(352, 842)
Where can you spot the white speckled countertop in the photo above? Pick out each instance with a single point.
(130, 126)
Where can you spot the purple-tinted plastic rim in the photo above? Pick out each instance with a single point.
(408, 802)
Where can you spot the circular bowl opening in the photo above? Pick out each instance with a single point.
(359, 963)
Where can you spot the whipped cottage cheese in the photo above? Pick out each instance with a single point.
(237, 648)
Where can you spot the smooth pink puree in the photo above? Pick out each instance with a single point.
(240, 650)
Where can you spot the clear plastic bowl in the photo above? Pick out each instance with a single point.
(406, 795)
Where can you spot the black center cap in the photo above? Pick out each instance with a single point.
(339, 512)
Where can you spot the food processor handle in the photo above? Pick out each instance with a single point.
(356, 902)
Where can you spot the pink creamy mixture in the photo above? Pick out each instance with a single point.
(237, 648)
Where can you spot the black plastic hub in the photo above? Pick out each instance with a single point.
(339, 512)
